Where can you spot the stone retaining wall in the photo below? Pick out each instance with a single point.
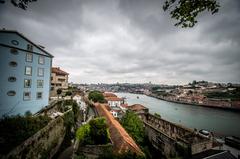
(43, 144)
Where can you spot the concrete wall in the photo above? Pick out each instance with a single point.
(10, 105)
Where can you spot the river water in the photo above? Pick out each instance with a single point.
(221, 122)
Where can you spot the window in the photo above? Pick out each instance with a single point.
(14, 42)
(41, 59)
(39, 83)
(12, 79)
(29, 47)
(26, 95)
(13, 64)
(11, 93)
(40, 71)
(28, 70)
(14, 51)
(27, 83)
(39, 95)
(29, 57)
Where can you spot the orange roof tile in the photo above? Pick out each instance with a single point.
(122, 142)
(114, 99)
(109, 94)
(137, 107)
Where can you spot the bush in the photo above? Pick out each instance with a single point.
(94, 133)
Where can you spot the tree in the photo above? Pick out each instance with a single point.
(96, 96)
(99, 130)
(186, 11)
(134, 126)
(59, 91)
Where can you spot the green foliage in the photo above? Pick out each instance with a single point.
(96, 96)
(68, 93)
(28, 113)
(76, 110)
(157, 115)
(83, 134)
(99, 130)
(94, 133)
(16, 129)
(69, 119)
(186, 11)
(134, 126)
(233, 95)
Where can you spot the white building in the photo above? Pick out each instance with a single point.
(114, 101)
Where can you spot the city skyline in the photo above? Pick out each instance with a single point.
(131, 41)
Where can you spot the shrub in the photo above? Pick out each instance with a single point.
(94, 133)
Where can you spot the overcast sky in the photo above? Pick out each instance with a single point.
(133, 41)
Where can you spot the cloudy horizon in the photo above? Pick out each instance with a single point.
(131, 41)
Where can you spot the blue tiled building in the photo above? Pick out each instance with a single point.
(25, 72)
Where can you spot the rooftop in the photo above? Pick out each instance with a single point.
(137, 107)
(109, 94)
(121, 139)
(114, 99)
(58, 71)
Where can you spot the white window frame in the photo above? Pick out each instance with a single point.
(29, 57)
(25, 86)
(40, 75)
(40, 81)
(41, 61)
(26, 73)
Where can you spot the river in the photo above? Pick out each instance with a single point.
(220, 122)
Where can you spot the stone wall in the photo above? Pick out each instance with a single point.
(92, 151)
(43, 144)
(159, 140)
(165, 135)
(199, 147)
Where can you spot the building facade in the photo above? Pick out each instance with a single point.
(59, 80)
(25, 74)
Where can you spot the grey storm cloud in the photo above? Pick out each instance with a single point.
(112, 41)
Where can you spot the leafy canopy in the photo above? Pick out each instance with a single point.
(96, 96)
(95, 132)
(134, 126)
(186, 11)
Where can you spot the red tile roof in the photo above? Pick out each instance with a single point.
(58, 71)
(122, 142)
(109, 94)
(137, 107)
(114, 99)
